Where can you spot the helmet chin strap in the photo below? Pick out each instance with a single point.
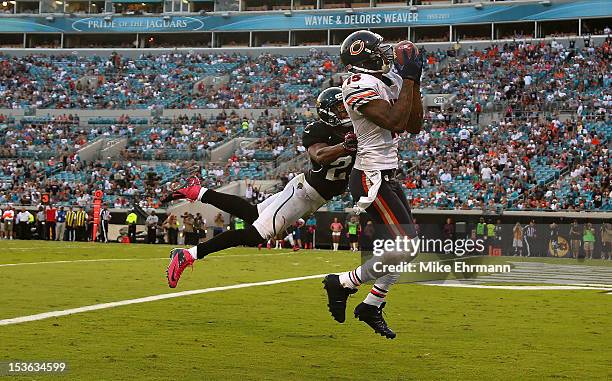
(386, 67)
(358, 69)
(346, 122)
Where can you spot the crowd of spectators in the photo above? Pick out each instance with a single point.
(193, 137)
(167, 80)
(522, 76)
(56, 136)
(518, 163)
(527, 77)
(547, 148)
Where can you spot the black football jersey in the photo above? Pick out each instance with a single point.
(330, 179)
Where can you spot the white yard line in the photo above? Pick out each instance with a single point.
(102, 306)
(137, 259)
(153, 298)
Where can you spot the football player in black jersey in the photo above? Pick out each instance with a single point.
(331, 146)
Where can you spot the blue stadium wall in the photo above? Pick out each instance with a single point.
(306, 20)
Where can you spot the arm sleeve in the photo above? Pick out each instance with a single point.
(314, 133)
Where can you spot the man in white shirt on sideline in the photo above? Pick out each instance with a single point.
(23, 224)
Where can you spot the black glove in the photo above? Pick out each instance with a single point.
(412, 67)
(350, 142)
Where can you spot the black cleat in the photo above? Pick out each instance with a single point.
(373, 317)
(337, 296)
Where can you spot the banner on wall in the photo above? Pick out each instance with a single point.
(245, 21)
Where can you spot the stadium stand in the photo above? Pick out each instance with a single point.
(526, 125)
(456, 162)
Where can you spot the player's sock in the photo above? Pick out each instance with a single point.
(230, 238)
(201, 194)
(234, 205)
(335, 246)
(351, 279)
(376, 296)
(193, 251)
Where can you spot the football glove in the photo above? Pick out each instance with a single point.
(350, 142)
(412, 67)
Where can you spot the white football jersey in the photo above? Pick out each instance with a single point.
(376, 147)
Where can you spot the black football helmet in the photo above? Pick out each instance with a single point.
(364, 52)
(330, 108)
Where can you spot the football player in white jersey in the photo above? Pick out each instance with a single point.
(382, 102)
(331, 146)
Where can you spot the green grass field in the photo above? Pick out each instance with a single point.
(283, 331)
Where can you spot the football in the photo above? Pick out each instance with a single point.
(399, 49)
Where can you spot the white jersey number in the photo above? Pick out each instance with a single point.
(338, 165)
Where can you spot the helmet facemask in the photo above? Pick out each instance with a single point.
(380, 60)
(336, 116)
